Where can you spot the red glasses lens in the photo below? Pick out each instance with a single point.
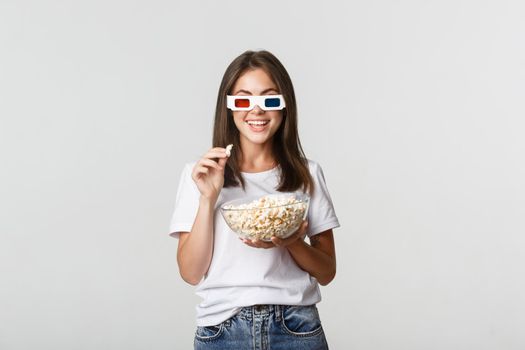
(242, 102)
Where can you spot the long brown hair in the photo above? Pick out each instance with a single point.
(286, 148)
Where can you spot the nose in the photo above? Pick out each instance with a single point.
(257, 110)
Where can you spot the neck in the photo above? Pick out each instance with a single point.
(256, 157)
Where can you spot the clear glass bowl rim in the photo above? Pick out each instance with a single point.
(300, 197)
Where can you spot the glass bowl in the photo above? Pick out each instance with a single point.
(261, 217)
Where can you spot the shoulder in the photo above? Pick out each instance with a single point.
(314, 167)
(317, 173)
(186, 171)
(188, 166)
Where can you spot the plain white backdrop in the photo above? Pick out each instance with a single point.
(414, 109)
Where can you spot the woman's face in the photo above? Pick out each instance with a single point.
(256, 82)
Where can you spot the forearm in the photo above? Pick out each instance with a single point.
(194, 254)
(314, 261)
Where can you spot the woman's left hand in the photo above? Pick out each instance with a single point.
(278, 242)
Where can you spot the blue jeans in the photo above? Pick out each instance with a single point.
(265, 327)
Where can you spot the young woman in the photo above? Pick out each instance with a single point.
(256, 294)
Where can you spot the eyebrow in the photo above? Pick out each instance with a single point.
(262, 93)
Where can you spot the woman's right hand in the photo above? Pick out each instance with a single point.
(209, 174)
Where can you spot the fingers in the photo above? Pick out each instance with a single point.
(202, 168)
(198, 171)
(222, 162)
(206, 162)
(219, 150)
(301, 231)
(216, 153)
(304, 227)
(284, 242)
(277, 241)
(299, 234)
(210, 163)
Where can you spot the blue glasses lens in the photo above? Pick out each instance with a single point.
(272, 102)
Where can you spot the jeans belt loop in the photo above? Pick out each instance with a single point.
(278, 312)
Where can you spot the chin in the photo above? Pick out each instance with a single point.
(258, 139)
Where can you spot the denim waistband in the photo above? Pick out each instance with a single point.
(261, 310)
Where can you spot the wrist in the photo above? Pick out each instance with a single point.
(297, 244)
(207, 201)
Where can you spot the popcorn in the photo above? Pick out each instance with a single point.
(279, 215)
(229, 149)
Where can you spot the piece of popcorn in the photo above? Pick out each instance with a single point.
(229, 149)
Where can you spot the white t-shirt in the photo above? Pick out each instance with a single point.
(240, 275)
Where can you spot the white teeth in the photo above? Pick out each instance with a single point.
(253, 122)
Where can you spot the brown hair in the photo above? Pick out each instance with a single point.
(287, 148)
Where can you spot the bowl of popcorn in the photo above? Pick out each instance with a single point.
(261, 217)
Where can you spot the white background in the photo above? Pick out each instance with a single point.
(414, 109)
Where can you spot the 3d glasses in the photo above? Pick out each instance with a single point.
(247, 103)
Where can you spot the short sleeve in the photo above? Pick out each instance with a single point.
(321, 212)
(186, 203)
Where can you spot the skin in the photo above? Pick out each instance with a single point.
(256, 147)
(196, 248)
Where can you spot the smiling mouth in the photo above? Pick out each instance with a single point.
(257, 126)
(257, 122)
